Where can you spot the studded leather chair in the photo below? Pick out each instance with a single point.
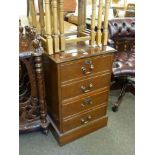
(122, 38)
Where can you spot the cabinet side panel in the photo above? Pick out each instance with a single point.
(51, 85)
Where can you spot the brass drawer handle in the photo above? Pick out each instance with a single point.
(84, 70)
(85, 90)
(87, 101)
(85, 121)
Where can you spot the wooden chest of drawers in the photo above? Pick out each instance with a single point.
(77, 87)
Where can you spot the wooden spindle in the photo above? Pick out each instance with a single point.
(105, 27)
(61, 22)
(33, 13)
(93, 21)
(85, 5)
(48, 27)
(41, 19)
(38, 63)
(51, 12)
(125, 4)
(79, 16)
(55, 26)
(83, 14)
(99, 24)
(28, 8)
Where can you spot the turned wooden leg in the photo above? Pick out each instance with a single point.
(105, 26)
(132, 87)
(28, 8)
(119, 100)
(93, 23)
(41, 91)
(41, 18)
(49, 26)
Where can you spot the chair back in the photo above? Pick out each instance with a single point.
(51, 21)
(122, 32)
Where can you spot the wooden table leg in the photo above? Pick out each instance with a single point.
(41, 91)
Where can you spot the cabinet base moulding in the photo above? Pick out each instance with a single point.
(64, 138)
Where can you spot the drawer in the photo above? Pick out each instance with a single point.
(84, 103)
(83, 119)
(85, 86)
(81, 131)
(83, 67)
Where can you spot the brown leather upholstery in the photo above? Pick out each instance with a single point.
(122, 31)
(122, 28)
(122, 37)
(124, 64)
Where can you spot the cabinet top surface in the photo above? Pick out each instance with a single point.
(78, 51)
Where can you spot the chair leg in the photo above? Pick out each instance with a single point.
(118, 102)
(132, 88)
(45, 131)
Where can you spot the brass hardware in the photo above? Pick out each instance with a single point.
(85, 121)
(87, 101)
(84, 70)
(91, 66)
(88, 62)
(85, 90)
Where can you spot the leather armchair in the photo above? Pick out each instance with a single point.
(122, 37)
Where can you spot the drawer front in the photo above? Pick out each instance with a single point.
(83, 67)
(84, 86)
(84, 103)
(83, 119)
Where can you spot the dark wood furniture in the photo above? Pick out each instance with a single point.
(32, 104)
(122, 35)
(77, 68)
(77, 87)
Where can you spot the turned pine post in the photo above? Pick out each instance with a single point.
(79, 16)
(93, 21)
(105, 26)
(48, 27)
(61, 22)
(55, 26)
(83, 14)
(99, 23)
(41, 18)
(28, 8)
(33, 13)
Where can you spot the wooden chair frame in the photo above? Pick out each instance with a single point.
(52, 24)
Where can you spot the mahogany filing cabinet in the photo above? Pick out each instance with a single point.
(77, 87)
